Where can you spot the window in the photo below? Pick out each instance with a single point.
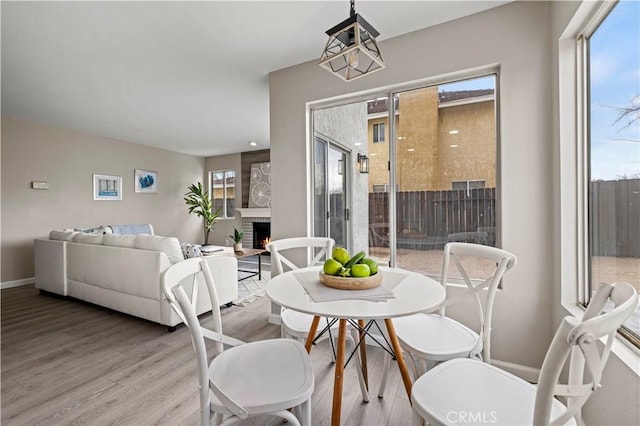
(223, 194)
(612, 173)
(467, 185)
(378, 132)
(383, 188)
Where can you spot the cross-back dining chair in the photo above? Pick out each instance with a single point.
(466, 391)
(263, 378)
(431, 338)
(296, 324)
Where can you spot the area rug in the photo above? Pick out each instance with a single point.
(250, 287)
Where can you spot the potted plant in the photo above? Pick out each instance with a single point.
(237, 237)
(201, 204)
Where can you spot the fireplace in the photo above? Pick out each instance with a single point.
(256, 224)
(261, 234)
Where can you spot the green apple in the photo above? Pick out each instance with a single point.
(372, 264)
(360, 270)
(332, 267)
(341, 254)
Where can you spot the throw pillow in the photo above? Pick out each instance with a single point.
(190, 250)
(102, 229)
(81, 237)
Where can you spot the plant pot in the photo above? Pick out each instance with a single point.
(237, 247)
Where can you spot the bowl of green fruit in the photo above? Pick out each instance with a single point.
(347, 272)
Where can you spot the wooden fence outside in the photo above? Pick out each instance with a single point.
(428, 219)
(615, 207)
(431, 218)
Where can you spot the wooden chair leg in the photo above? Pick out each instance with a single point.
(339, 374)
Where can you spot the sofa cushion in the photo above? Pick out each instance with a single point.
(168, 245)
(117, 240)
(62, 235)
(81, 237)
(190, 250)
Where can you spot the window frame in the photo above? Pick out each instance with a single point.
(583, 169)
(378, 136)
(223, 212)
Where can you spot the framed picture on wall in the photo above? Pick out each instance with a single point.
(260, 185)
(107, 187)
(146, 181)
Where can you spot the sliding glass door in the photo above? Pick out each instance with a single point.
(430, 175)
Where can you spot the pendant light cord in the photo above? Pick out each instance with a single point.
(353, 8)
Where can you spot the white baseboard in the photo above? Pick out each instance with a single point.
(17, 283)
(529, 374)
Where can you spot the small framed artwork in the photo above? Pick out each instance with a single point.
(107, 187)
(146, 181)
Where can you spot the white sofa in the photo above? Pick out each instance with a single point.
(123, 272)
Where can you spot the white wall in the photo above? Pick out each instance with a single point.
(67, 160)
(517, 38)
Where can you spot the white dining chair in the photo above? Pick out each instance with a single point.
(431, 338)
(264, 378)
(466, 391)
(296, 324)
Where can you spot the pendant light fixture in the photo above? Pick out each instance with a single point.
(352, 50)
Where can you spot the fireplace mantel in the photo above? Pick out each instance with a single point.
(255, 212)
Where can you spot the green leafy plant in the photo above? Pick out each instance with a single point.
(237, 235)
(201, 205)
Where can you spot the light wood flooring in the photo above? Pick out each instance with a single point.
(66, 362)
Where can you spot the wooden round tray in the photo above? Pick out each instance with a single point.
(351, 283)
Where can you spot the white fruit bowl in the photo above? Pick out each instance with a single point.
(351, 283)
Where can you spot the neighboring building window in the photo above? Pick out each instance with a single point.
(378, 132)
(612, 141)
(223, 192)
(383, 188)
(467, 185)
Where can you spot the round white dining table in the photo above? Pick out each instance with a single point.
(412, 293)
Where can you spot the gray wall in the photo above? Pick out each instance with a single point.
(249, 158)
(67, 160)
(518, 38)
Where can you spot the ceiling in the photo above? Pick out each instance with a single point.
(190, 77)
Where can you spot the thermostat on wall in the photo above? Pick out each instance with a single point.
(39, 185)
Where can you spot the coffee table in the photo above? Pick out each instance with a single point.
(228, 251)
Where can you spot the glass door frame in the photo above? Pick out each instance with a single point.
(347, 173)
